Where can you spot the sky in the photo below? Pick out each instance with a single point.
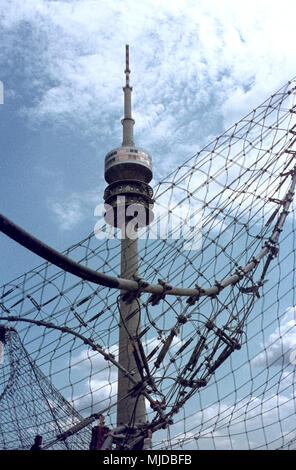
(196, 68)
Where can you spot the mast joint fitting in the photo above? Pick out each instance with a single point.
(130, 296)
(194, 298)
(156, 298)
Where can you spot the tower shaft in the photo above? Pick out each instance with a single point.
(131, 410)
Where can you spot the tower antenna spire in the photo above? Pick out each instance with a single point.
(127, 69)
(127, 122)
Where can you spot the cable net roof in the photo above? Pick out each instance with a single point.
(218, 363)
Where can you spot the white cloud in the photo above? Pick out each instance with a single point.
(280, 344)
(71, 211)
(99, 381)
(94, 362)
(98, 396)
(188, 60)
(260, 422)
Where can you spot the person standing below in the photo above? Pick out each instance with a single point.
(147, 444)
(98, 434)
(37, 443)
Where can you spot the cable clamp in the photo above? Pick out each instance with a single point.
(275, 200)
(240, 272)
(271, 245)
(255, 261)
(292, 172)
(156, 404)
(130, 296)
(194, 298)
(156, 298)
(253, 289)
(219, 287)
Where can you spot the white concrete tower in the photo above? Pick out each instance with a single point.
(128, 170)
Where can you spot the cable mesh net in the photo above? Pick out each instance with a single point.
(218, 364)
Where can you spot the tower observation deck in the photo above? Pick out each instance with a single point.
(128, 170)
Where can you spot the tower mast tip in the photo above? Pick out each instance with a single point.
(127, 69)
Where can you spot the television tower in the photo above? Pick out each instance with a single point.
(128, 203)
